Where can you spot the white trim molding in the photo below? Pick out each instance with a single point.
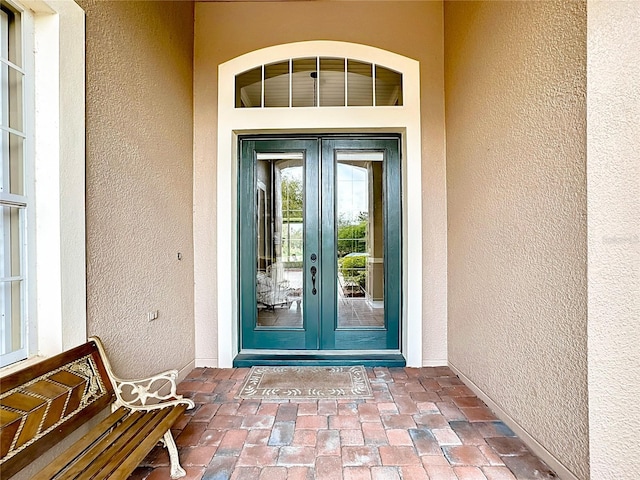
(60, 174)
(233, 121)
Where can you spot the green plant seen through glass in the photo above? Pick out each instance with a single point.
(353, 268)
(292, 199)
(352, 247)
(292, 217)
(352, 238)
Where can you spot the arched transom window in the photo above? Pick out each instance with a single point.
(318, 81)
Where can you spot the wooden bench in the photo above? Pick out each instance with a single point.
(45, 402)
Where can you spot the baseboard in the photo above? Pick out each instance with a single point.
(186, 370)
(206, 363)
(563, 472)
(435, 363)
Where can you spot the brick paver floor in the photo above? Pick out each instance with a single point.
(423, 423)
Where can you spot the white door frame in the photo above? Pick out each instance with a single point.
(233, 121)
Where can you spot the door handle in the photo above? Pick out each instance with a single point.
(314, 270)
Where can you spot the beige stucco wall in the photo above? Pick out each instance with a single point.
(515, 76)
(226, 30)
(613, 113)
(139, 182)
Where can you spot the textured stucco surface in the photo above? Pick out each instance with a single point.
(139, 182)
(613, 114)
(225, 30)
(515, 81)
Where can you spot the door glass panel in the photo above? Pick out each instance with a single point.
(279, 235)
(360, 239)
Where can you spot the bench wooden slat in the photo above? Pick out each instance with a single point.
(125, 442)
(134, 458)
(76, 466)
(82, 445)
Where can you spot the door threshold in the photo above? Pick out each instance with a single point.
(319, 359)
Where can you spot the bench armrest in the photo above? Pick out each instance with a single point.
(147, 393)
(158, 391)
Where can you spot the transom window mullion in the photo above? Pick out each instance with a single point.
(346, 83)
(262, 89)
(290, 82)
(316, 84)
(373, 79)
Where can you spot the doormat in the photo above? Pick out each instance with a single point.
(308, 383)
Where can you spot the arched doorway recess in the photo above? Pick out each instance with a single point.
(233, 122)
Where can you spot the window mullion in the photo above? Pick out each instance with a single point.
(12, 200)
(13, 131)
(12, 65)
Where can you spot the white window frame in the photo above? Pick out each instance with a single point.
(54, 31)
(24, 202)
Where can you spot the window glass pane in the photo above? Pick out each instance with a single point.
(16, 165)
(11, 98)
(249, 88)
(303, 82)
(10, 261)
(10, 78)
(12, 174)
(360, 84)
(388, 87)
(10, 35)
(12, 333)
(4, 33)
(276, 84)
(332, 82)
(11, 287)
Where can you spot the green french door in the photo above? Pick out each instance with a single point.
(319, 244)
